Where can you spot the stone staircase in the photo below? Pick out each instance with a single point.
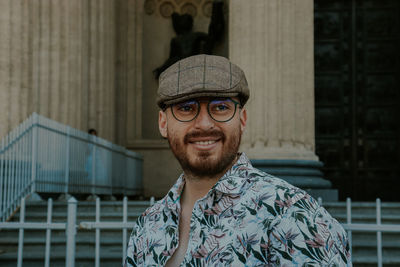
(34, 240)
(364, 244)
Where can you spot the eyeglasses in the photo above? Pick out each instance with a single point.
(219, 109)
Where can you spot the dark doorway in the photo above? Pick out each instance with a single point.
(357, 96)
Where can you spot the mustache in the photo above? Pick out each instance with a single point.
(211, 133)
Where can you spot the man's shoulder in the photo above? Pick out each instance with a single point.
(157, 207)
(277, 196)
(260, 182)
(167, 206)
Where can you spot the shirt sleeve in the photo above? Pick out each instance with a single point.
(134, 255)
(307, 234)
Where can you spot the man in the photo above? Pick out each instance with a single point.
(222, 211)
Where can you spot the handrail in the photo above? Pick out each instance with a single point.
(44, 156)
(368, 227)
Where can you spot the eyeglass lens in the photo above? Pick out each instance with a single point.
(219, 109)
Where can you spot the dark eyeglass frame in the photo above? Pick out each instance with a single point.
(208, 108)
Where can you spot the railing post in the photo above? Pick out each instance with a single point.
(12, 178)
(48, 232)
(349, 233)
(71, 232)
(34, 150)
(124, 230)
(379, 233)
(17, 172)
(123, 180)
(66, 187)
(7, 178)
(97, 245)
(110, 173)
(93, 165)
(2, 213)
(21, 233)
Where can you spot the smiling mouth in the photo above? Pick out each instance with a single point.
(203, 143)
(204, 138)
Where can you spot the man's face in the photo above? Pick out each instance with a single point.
(203, 146)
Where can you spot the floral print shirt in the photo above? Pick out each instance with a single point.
(248, 218)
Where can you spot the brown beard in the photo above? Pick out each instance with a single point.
(204, 166)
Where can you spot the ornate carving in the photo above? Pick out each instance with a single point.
(149, 7)
(207, 9)
(190, 9)
(165, 8)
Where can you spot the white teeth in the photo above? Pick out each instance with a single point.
(204, 142)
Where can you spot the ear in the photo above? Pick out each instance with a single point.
(162, 123)
(243, 119)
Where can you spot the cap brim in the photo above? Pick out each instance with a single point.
(167, 102)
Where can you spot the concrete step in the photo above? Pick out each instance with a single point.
(364, 212)
(365, 243)
(361, 218)
(10, 237)
(111, 248)
(371, 261)
(83, 206)
(36, 211)
(369, 239)
(83, 258)
(81, 216)
(366, 208)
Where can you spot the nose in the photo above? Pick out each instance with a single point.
(203, 120)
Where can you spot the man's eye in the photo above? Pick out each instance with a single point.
(186, 107)
(221, 107)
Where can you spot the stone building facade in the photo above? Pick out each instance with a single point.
(88, 64)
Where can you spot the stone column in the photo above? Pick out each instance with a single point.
(57, 58)
(101, 69)
(273, 42)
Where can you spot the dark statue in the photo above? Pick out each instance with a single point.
(188, 43)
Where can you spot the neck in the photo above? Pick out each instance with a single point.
(196, 188)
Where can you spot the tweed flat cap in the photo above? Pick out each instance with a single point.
(201, 75)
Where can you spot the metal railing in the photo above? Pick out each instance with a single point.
(379, 228)
(44, 156)
(71, 227)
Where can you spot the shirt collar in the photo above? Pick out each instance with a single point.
(230, 183)
(234, 179)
